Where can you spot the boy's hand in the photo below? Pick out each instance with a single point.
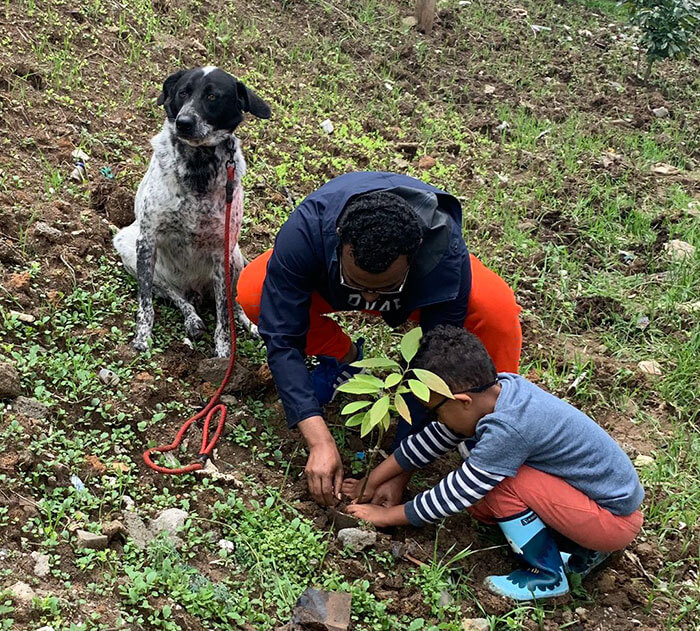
(352, 488)
(379, 515)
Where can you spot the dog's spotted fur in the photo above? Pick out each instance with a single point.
(175, 246)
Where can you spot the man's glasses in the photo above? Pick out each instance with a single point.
(371, 290)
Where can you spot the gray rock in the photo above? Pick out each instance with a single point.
(214, 369)
(170, 521)
(321, 611)
(357, 539)
(31, 408)
(445, 598)
(22, 593)
(476, 624)
(42, 230)
(137, 529)
(46, 628)
(91, 541)
(660, 112)
(9, 381)
(41, 564)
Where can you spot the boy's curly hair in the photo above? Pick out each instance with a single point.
(457, 356)
(379, 227)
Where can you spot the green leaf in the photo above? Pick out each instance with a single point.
(410, 342)
(356, 420)
(366, 426)
(435, 383)
(354, 387)
(386, 421)
(370, 379)
(350, 408)
(419, 389)
(376, 362)
(402, 408)
(379, 409)
(392, 379)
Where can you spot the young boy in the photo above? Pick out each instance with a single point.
(532, 463)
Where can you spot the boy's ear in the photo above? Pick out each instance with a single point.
(463, 398)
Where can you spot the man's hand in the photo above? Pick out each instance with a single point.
(380, 516)
(352, 488)
(324, 468)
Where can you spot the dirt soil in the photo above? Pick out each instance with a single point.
(69, 233)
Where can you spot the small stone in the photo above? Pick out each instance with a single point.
(445, 598)
(642, 322)
(212, 370)
(327, 126)
(10, 386)
(31, 408)
(41, 564)
(45, 231)
(341, 520)
(661, 168)
(409, 21)
(650, 367)
(114, 528)
(137, 529)
(322, 611)
(503, 126)
(476, 624)
(227, 545)
(401, 164)
(356, 538)
(689, 307)
(91, 541)
(643, 461)
(46, 628)
(426, 162)
(660, 112)
(170, 521)
(645, 550)
(679, 250)
(22, 593)
(27, 318)
(693, 209)
(119, 467)
(489, 89)
(581, 612)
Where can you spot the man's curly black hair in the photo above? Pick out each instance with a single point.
(379, 227)
(457, 356)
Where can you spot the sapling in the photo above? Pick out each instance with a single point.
(385, 395)
(670, 29)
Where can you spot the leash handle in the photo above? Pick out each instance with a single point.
(213, 407)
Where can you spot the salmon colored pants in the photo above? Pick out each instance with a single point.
(562, 507)
(492, 315)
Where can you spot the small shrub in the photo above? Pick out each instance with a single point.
(669, 28)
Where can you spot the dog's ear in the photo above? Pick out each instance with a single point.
(251, 102)
(168, 85)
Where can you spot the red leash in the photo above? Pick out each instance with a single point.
(212, 407)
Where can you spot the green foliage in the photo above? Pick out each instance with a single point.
(388, 392)
(670, 29)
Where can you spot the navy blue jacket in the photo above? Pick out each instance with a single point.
(305, 260)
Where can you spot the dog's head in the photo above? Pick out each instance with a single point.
(204, 105)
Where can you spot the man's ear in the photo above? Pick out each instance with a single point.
(168, 86)
(251, 102)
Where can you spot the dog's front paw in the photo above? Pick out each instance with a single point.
(194, 327)
(140, 344)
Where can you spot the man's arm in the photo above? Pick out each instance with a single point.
(284, 317)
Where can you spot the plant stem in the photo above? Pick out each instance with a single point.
(370, 462)
(648, 72)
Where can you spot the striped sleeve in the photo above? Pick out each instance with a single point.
(454, 493)
(419, 450)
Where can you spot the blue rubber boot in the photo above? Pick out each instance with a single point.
(580, 560)
(533, 544)
(330, 373)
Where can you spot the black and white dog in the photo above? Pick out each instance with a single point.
(175, 246)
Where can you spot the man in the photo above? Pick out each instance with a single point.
(381, 243)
